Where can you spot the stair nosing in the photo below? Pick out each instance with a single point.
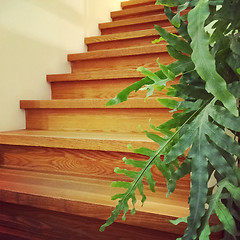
(136, 10)
(94, 75)
(134, 103)
(101, 141)
(133, 3)
(134, 21)
(126, 35)
(119, 52)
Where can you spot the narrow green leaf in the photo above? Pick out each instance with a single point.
(149, 73)
(235, 191)
(183, 143)
(178, 43)
(131, 174)
(226, 218)
(120, 184)
(168, 103)
(238, 71)
(182, 171)
(155, 138)
(205, 233)
(150, 180)
(199, 189)
(135, 163)
(203, 60)
(176, 21)
(222, 116)
(221, 139)
(179, 220)
(219, 162)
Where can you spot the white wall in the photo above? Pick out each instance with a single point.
(35, 38)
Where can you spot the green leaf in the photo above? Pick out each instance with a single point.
(178, 43)
(238, 71)
(226, 218)
(182, 171)
(222, 116)
(170, 3)
(220, 163)
(176, 21)
(179, 220)
(203, 60)
(199, 189)
(205, 233)
(168, 103)
(149, 74)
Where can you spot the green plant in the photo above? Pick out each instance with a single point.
(208, 62)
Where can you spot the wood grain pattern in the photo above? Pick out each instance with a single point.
(81, 163)
(140, 23)
(60, 226)
(85, 197)
(91, 90)
(124, 40)
(77, 140)
(137, 12)
(121, 63)
(134, 3)
(90, 104)
(122, 52)
(102, 120)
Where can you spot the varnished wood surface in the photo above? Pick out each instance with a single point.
(84, 196)
(102, 120)
(59, 226)
(139, 11)
(140, 23)
(77, 140)
(97, 75)
(134, 3)
(75, 162)
(122, 52)
(89, 103)
(90, 89)
(121, 63)
(124, 40)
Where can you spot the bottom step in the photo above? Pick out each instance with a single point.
(89, 198)
(53, 207)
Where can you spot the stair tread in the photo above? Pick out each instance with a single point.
(139, 20)
(120, 52)
(126, 35)
(89, 103)
(56, 191)
(136, 10)
(105, 141)
(97, 75)
(136, 2)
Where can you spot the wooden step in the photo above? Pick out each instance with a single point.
(122, 40)
(89, 198)
(94, 119)
(94, 164)
(135, 24)
(120, 59)
(88, 103)
(90, 89)
(136, 3)
(140, 11)
(102, 141)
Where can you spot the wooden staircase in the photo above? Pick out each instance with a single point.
(55, 175)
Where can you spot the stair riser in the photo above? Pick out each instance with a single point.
(80, 163)
(132, 16)
(91, 89)
(137, 12)
(106, 120)
(121, 63)
(122, 43)
(133, 4)
(135, 27)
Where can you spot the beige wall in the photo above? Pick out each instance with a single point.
(35, 38)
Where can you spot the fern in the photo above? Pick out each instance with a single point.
(207, 125)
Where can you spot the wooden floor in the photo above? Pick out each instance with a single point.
(55, 175)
